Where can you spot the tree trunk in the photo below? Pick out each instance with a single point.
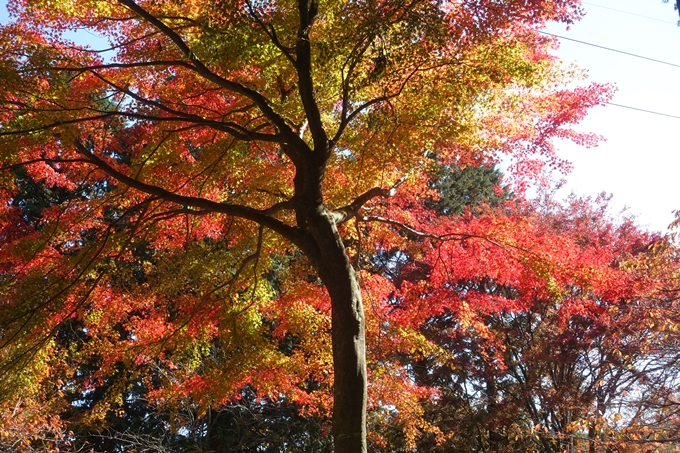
(592, 437)
(348, 333)
(495, 438)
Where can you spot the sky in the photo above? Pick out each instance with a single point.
(640, 160)
(639, 163)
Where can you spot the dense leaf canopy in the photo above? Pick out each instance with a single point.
(196, 214)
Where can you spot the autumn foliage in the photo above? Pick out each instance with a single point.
(197, 208)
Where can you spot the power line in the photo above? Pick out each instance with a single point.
(624, 53)
(632, 14)
(611, 50)
(643, 110)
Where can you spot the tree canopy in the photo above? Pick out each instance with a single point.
(195, 216)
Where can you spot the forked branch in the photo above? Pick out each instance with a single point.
(200, 68)
(444, 237)
(352, 210)
(260, 217)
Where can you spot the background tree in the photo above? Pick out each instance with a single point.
(606, 380)
(565, 370)
(216, 141)
(472, 187)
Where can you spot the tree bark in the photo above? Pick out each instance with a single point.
(495, 438)
(348, 333)
(592, 436)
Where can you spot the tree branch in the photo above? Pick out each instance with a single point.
(45, 127)
(138, 64)
(344, 122)
(444, 237)
(410, 229)
(352, 60)
(262, 103)
(303, 65)
(231, 128)
(293, 234)
(281, 206)
(347, 212)
(271, 32)
(44, 160)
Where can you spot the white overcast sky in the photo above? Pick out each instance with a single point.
(639, 161)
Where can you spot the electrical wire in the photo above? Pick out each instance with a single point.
(611, 50)
(643, 110)
(624, 53)
(632, 14)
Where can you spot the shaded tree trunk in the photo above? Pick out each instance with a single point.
(348, 332)
(592, 438)
(495, 438)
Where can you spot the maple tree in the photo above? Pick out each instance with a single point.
(584, 360)
(211, 187)
(571, 363)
